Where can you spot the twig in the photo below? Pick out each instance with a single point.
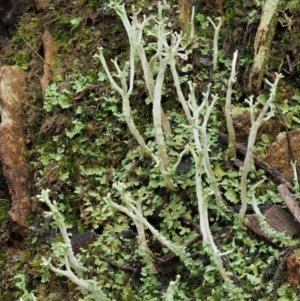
(30, 46)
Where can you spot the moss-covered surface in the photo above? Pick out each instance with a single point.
(79, 151)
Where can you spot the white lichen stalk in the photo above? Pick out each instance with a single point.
(229, 120)
(200, 153)
(132, 208)
(216, 37)
(171, 289)
(70, 261)
(266, 113)
(135, 30)
(198, 116)
(168, 48)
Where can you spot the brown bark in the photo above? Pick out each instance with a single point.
(12, 145)
(185, 16)
(289, 201)
(277, 219)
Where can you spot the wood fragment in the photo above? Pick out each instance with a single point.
(282, 221)
(277, 219)
(263, 39)
(289, 201)
(12, 145)
(252, 223)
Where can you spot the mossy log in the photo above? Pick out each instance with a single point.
(12, 144)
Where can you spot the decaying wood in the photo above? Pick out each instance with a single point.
(39, 4)
(293, 269)
(282, 221)
(252, 223)
(185, 16)
(277, 219)
(289, 201)
(12, 144)
(50, 50)
(263, 39)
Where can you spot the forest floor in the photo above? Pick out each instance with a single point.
(76, 144)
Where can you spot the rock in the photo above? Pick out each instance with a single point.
(293, 267)
(278, 155)
(242, 125)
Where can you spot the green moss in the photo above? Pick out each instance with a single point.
(3, 260)
(4, 208)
